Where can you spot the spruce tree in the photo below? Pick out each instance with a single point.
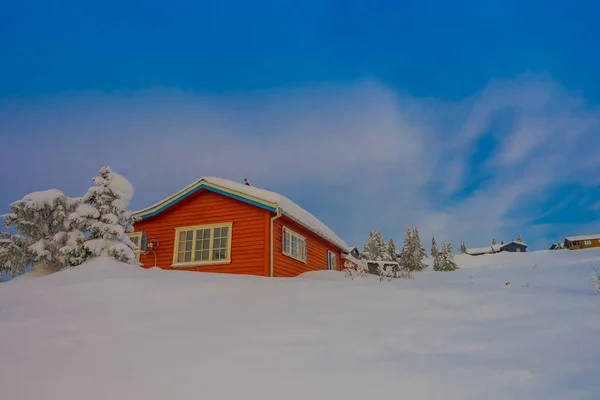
(519, 239)
(15, 256)
(446, 259)
(463, 248)
(412, 257)
(41, 220)
(104, 217)
(494, 242)
(392, 251)
(419, 250)
(434, 249)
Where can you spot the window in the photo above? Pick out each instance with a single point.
(294, 245)
(518, 249)
(206, 244)
(332, 261)
(587, 242)
(139, 239)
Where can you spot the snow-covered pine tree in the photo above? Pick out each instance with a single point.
(437, 261)
(103, 216)
(419, 243)
(494, 241)
(392, 251)
(446, 259)
(15, 255)
(41, 219)
(376, 249)
(434, 249)
(412, 257)
(369, 249)
(519, 239)
(463, 248)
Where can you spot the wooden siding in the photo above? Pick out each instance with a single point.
(317, 249)
(250, 232)
(580, 244)
(514, 248)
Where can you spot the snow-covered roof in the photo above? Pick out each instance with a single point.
(515, 242)
(495, 248)
(260, 197)
(580, 238)
(482, 250)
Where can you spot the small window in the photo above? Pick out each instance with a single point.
(206, 244)
(139, 239)
(332, 261)
(294, 245)
(587, 242)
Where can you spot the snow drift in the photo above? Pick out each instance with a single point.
(111, 330)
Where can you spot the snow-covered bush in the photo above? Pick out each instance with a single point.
(41, 220)
(404, 273)
(103, 216)
(354, 271)
(595, 280)
(386, 271)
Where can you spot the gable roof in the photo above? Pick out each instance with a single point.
(249, 194)
(495, 248)
(585, 237)
(515, 242)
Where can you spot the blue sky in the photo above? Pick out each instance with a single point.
(472, 119)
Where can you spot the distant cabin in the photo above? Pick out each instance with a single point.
(582, 242)
(217, 225)
(511, 247)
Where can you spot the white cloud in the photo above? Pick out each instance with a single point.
(371, 158)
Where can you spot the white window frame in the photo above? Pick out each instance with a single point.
(587, 242)
(303, 257)
(332, 262)
(195, 229)
(138, 236)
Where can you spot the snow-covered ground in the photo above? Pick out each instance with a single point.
(111, 331)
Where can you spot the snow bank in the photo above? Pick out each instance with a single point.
(108, 330)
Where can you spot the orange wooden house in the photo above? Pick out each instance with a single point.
(216, 225)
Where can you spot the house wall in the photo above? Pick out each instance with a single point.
(316, 250)
(514, 247)
(250, 232)
(580, 244)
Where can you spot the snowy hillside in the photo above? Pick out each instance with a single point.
(112, 331)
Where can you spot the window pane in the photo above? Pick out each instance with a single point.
(220, 243)
(202, 245)
(185, 245)
(135, 240)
